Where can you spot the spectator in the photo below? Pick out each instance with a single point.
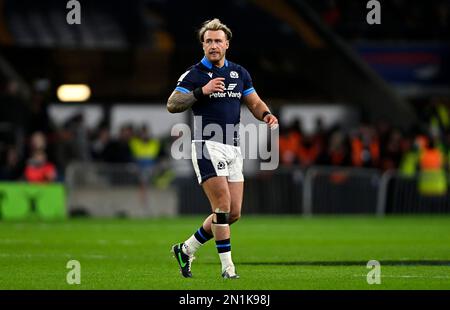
(80, 138)
(338, 149)
(432, 177)
(320, 138)
(289, 143)
(100, 144)
(12, 170)
(410, 159)
(118, 150)
(308, 151)
(365, 148)
(145, 150)
(38, 169)
(73, 143)
(392, 152)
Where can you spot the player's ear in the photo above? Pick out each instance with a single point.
(228, 44)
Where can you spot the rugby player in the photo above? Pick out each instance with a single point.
(214, 89)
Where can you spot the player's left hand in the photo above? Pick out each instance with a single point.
(271, 120)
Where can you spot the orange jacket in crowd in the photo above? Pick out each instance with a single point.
(431, 159)
(358, 148)
(308, 155)
(288, 146)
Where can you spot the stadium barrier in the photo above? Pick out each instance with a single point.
(400, 194)
(116, 190)
(335, 190)
(20, 201)
(340, 190)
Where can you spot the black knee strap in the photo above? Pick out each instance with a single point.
(222, 218)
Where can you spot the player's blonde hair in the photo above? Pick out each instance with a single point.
(214, 25)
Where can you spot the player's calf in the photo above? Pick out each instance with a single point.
(223, 243)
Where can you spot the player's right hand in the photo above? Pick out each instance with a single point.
(215, 85)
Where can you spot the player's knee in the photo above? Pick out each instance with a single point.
(234, 217)
(222, 204)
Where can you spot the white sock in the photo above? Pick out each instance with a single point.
(191, 246)
(225, 259)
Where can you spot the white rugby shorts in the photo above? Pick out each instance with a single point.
(211, 159)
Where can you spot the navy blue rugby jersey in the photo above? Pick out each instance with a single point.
(219, 108)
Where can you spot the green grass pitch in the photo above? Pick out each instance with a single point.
(286, 252)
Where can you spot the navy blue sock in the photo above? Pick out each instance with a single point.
(202, 236)
(223, 245)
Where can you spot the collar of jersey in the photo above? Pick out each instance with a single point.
(209, 65)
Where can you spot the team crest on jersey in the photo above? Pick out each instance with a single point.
(234, 75)
(210, 74)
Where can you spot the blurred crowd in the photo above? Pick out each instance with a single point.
(32, 148)
(46, 155)
(379, 145)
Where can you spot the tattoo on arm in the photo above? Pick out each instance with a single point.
(179, 102)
